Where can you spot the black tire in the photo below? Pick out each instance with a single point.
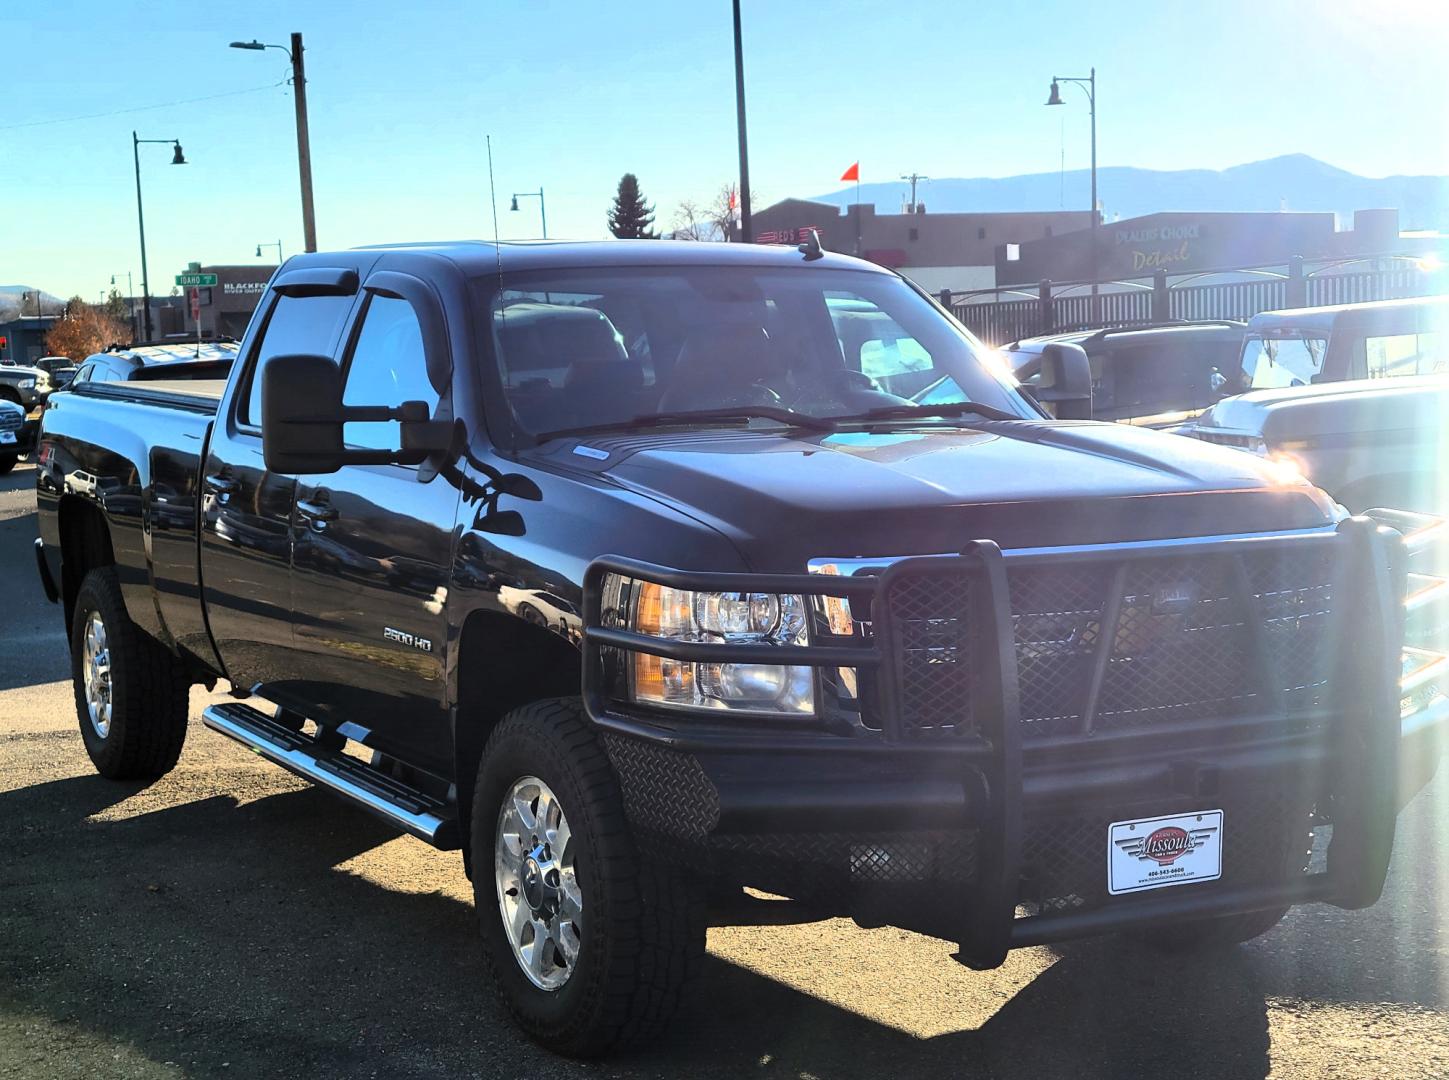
(1205, 935)
(148, 688)
(7, 462)
(9, 393)
(643, 934)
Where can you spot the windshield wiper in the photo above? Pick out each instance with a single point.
(782, 415)
(912, 412)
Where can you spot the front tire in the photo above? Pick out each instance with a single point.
(130, 692)
(7, 462)
(589, 944)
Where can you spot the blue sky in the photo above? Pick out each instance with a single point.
(576, 93)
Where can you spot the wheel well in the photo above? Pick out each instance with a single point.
(503, 662)
(9, 393)
(85, 543)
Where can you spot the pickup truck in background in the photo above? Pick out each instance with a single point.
(1384, 339)
(1369, 442)
(956, 667)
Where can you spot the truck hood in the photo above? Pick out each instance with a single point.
(784, 499)
(1366, 404)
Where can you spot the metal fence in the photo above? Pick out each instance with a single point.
(1001, 316)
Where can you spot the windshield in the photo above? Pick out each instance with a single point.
(1281, 361)
(583, 348)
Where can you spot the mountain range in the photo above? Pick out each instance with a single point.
(11, 296)
(1291, 182)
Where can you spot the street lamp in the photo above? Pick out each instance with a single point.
(177, 158)
(267, 244)
(304, 146)
(1089, 86)
(542, 214)
(130, 295)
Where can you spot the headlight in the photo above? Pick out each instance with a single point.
(26, 384)
(721, 618)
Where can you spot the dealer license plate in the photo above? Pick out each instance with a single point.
(1153, 853)
(7, 438)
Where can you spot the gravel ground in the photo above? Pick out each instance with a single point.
(229, 920)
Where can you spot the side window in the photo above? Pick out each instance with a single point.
(1405, 354)
(297, 324)
(387, 367)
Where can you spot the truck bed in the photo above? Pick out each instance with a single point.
(196, 395)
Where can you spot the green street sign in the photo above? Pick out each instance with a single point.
(187, 280)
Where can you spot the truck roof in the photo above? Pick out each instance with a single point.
(479, 257)
(1326, 318)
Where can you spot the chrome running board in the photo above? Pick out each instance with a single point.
(414, 812)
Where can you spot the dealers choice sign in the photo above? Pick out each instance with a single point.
(1158, 245)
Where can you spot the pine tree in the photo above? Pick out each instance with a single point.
(631, 217)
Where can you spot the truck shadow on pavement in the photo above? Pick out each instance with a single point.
(225, 936)
(33, 646)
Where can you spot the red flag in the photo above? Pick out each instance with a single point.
(852, 173)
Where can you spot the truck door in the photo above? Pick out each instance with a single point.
(374, 551)
(246, 511)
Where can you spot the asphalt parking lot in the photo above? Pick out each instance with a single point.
(229, 920)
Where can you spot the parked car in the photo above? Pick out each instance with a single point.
(25, 385)
(957, 667)
(1381, 340)
(61, 370)
(15, 434)
(1368, 442)
(164, 361)
(1154, 376)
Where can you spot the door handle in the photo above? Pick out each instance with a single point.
(220, 485)
(317, 512)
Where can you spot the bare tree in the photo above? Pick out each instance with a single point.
(715, 219)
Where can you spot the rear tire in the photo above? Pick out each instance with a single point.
(1204, 935)
(7, 462)
(130, 692)
(635, 927)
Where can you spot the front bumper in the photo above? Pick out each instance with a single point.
(996, 841)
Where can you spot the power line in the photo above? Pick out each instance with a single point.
(143, 108)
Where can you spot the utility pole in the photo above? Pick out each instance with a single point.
(747, 234)
(913, 178)
(304, 144)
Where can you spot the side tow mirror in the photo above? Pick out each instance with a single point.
(303, 418)
(302, 414)
(1066, 381)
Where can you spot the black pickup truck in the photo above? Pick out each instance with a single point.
(610, 565)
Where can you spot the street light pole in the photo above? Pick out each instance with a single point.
(542, 210)
(1089, 85)
(130, 296)
(176, 159)
(747, 235)
(304, 143)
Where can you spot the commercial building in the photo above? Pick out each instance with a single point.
(226, 307)
(22, 339)
(1189, 242)
(937, 251)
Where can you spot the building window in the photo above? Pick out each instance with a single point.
(915, 234)
(981, 232)
(1048, 230)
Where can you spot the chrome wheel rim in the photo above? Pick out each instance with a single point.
(538, 889)
(96, 674)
